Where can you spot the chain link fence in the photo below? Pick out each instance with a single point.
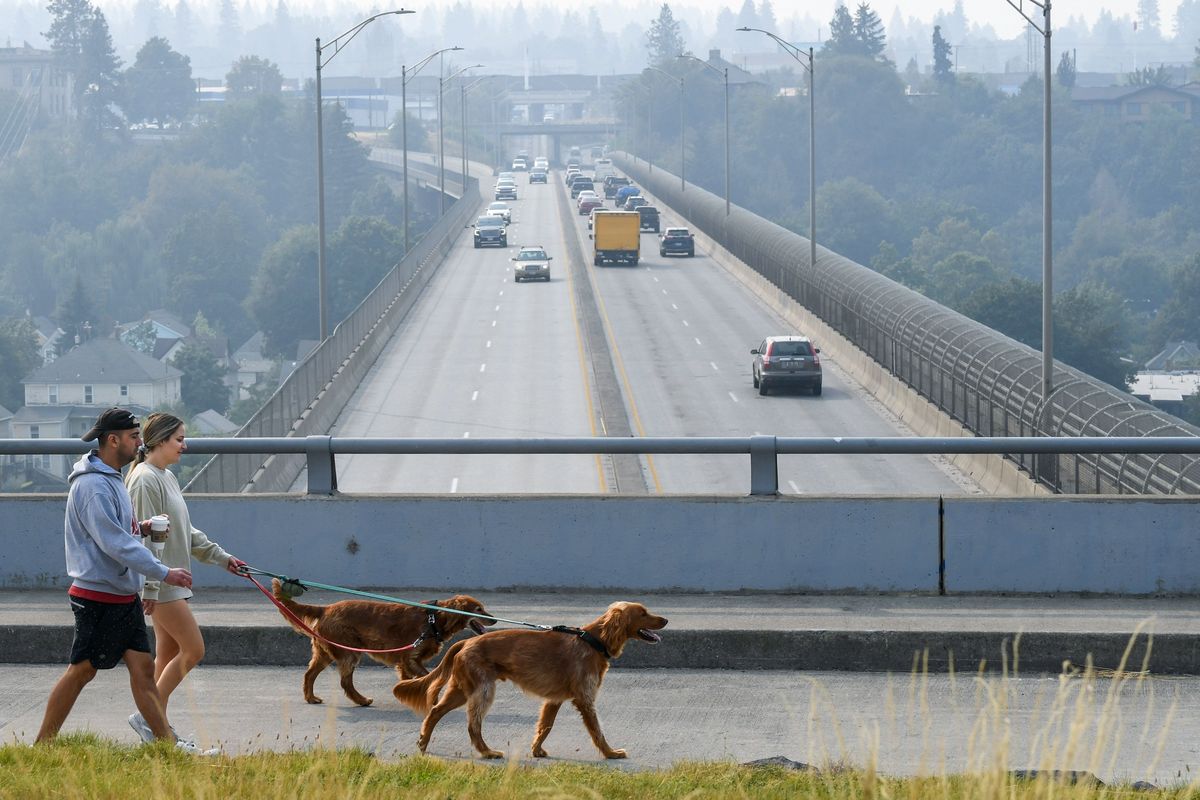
(988, 382)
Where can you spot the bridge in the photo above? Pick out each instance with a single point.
(449, 349)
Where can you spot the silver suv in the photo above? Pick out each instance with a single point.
(531, 262)
(786, 361)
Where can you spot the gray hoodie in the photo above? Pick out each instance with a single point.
(103, 552)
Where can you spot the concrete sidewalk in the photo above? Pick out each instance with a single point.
(724, 631)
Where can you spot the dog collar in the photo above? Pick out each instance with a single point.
(431, 629)
(591, 640)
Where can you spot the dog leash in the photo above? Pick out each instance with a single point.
(287, 612)
(292, 583)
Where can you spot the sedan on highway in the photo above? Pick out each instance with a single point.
(531, 263)
(589, 202)
(786, 361)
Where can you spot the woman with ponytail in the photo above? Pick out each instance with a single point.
(154, 489)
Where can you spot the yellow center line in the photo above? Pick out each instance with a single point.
(616, 351)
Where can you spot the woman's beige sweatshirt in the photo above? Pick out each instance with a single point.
(156, 491)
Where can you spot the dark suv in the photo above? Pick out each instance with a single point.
(581, 183)
(677, 240)
(786, 361)
(649, 215)
(490, 231)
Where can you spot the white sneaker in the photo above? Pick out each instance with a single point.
(138, 723)
(191, 747)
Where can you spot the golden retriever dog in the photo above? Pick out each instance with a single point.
(375, 625)
(558, 665)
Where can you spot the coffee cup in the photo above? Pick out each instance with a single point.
(160, 529)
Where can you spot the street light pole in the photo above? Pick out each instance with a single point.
(682, 128)
(407, 75)
(337, 44)
(805, 59)
(463, 90)
(724, 72)
(1047, 200)
(441, 138)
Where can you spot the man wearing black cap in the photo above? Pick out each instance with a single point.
(108, 565)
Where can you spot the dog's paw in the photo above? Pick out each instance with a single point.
(314, 700)
(365, 701)
(491, 754)
(615, 754)
(538, 752)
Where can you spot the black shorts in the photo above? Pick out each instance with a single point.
(104, 631)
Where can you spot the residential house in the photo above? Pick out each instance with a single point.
(1138, 103)
(252, 365)
(211, 423)
(1170, 378)
(63, 398)
(49, 337)
(37, 81)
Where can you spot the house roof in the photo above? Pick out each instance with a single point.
(211, 422)
(1182, 355)
(736, 74)
(251, 348)
(87, 414)
(5, 413)
(1108, 94)
(103, 361)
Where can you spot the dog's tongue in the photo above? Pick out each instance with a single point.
(649, 636)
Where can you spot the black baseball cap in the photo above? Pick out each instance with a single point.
(114, 419)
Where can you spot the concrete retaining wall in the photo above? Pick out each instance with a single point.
(779, 544)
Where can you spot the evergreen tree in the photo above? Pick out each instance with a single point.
(18, 357)
(943, 67)
(229, 30)
(766, 16)
(868, 29)
(1150, 76)
(1148, 17)
(74, 314)
(1066, 70)
(747, 16)
(185, 24)
(80, 39)
(842, 39)
(202, 385)
(664, 41)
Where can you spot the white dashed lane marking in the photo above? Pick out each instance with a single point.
(733, 397)
(714, 366)
(795, 488)
(454, 486)
(474, 395)
(483, 367)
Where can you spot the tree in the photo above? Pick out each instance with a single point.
(202, 385)
(747, 16)
(229, 30)
(1148, 18)
(141, 337)
(954, 279)
(362, 251)
(1091, 333)
(1150, 76)
(1179, 317)
(664, 41)
(81, 41)
(943, 67)
(252, 75)
(766, 16)
(418, 134)
(1013, 307)
(287, 316)
(75, 315)
(159, 85)
(1066, 70)
(18, 357)
(842, 38)
(868, 29)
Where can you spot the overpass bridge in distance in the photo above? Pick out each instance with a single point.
(943, 373)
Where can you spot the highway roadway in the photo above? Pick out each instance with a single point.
(661, 349)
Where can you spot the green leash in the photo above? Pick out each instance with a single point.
(294, 587)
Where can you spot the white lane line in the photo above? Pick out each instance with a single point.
(497, 308)
(474, 395)
(493, 323)
(733, 397)
(483, 367)
(655, 279)
(674, 306)
(698, 341)
(502, 293)
(467, 435)
(795, 488)
(714, 366)
(489, 343)
(454, 486)
(664, 291)
(756, 433)
(685, 324)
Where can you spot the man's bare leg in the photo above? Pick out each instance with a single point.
(62, 698)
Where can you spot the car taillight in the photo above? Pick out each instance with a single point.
(766, 363)
(816, 360)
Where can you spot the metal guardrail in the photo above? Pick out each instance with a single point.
(319, 452)
(294, 408)
(989, 383)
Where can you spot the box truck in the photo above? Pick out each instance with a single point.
(616, 238)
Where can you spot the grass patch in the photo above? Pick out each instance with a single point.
(86, 766)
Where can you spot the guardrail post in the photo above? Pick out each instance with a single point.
(764, 465)
(322, 473)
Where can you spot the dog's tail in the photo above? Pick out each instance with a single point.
(310, 614)
(421, 694)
